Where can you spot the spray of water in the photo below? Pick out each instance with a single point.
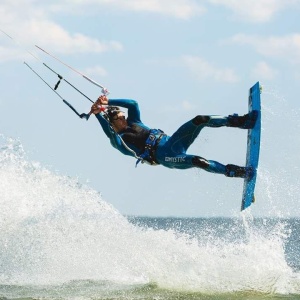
(54, 229)
(279, 169)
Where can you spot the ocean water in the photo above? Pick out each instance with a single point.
(60, 240)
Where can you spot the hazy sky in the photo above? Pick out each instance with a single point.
(178, 58)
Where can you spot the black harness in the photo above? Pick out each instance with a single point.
(151, 144)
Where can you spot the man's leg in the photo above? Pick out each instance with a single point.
(245, 122)
(186, 134)
(181, 140)
(216, 167)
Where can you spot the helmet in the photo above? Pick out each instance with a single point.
(111, 112)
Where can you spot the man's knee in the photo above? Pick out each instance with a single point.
(198, 120)
(200, 162)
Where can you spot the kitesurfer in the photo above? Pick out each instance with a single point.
(131, 137)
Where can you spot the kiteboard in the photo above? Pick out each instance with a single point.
(253, 146)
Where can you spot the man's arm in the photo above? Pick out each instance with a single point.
(114, 138)
(105, 125)
(96, 109)
(134, 114)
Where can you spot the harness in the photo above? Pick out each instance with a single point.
(151, 144)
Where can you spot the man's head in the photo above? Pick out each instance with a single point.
(116, 118)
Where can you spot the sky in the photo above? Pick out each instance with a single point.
(178, 59)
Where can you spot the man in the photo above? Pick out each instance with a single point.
(132, 137)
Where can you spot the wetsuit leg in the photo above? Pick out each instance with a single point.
(171, 151)
(208, 165)
(172, 160)
(181, 140)
(245, 122)
(228, 170)
(187, 161)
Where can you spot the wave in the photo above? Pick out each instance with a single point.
(54, 230)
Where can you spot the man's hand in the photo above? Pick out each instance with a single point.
(102, 100)
(96, 107)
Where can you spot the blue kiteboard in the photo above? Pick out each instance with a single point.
(253, 145)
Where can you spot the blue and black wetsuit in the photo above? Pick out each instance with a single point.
(170, 151)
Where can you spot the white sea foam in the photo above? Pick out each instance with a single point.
(54, 229)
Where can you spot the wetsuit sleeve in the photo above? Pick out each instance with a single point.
(105, 125)
(134, 114)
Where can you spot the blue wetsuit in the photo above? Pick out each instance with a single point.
(171, 150)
